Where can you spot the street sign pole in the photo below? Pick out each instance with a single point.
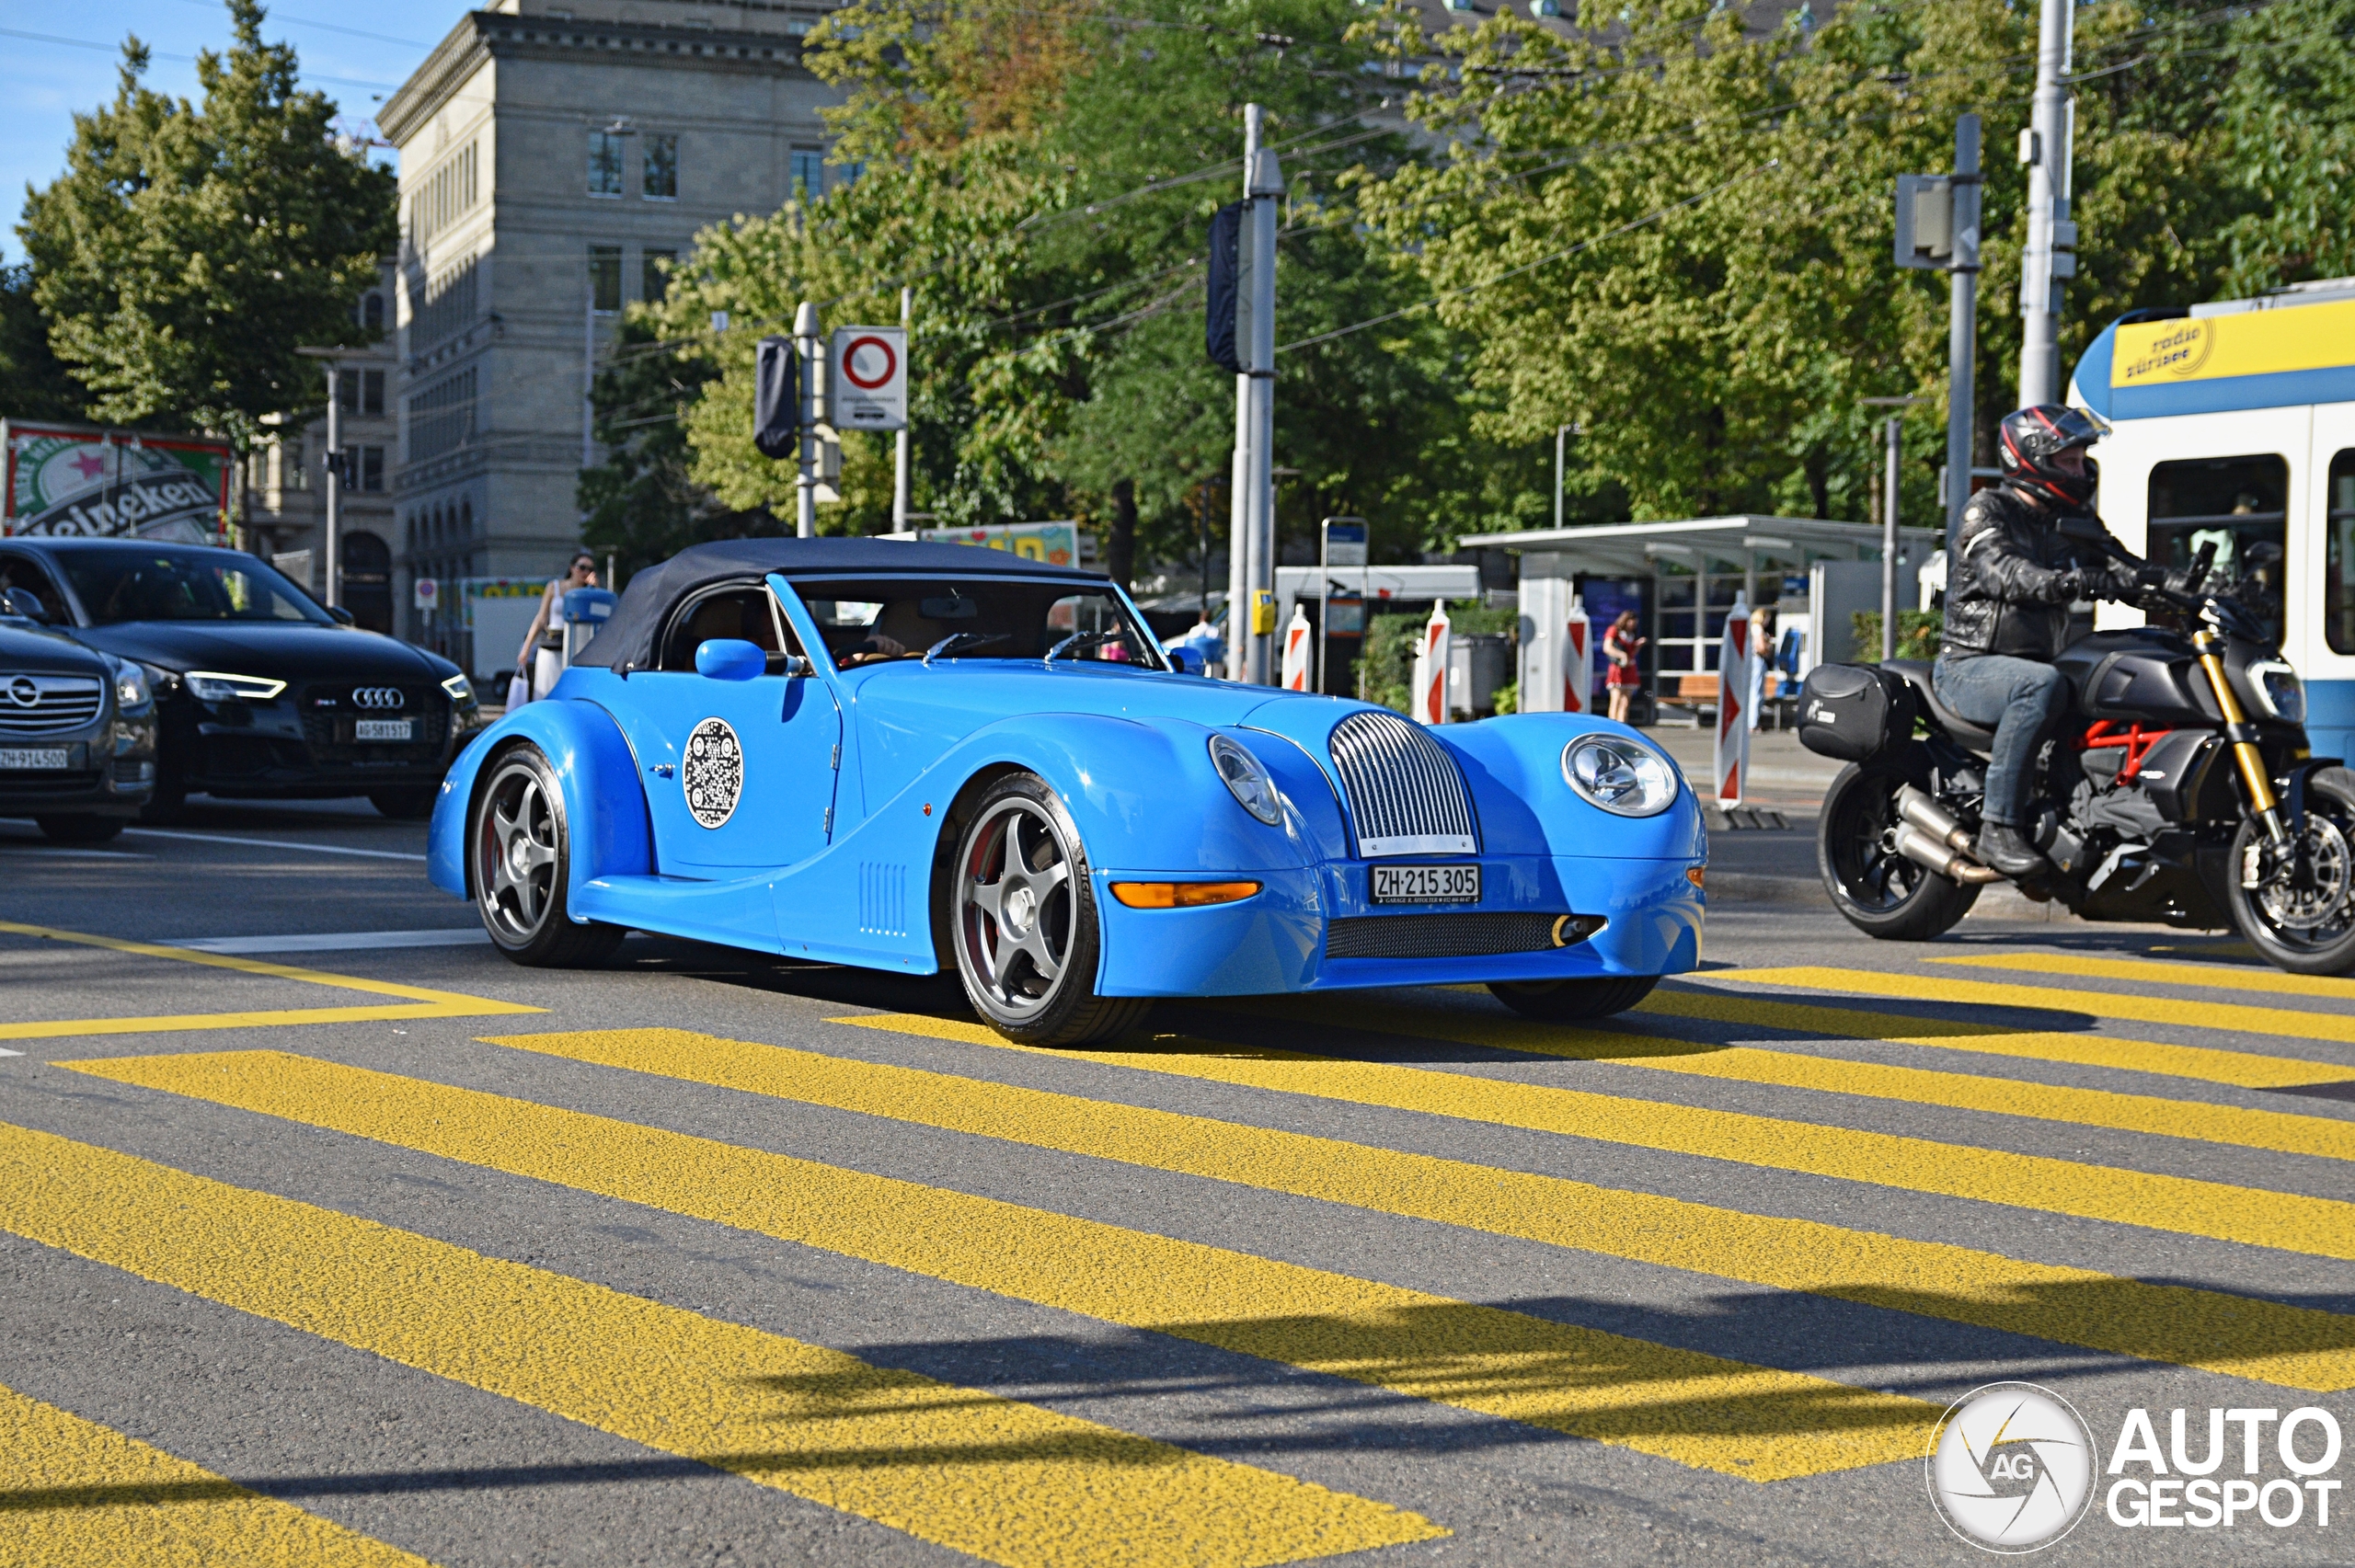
(2049, 255)
(1962, 321)
(808, 344)
(900, 457)
(1238, 491)
(1267, 183)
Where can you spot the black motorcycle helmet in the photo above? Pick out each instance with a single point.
(2031, 439)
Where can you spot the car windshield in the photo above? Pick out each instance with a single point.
(162, 583)
(874, 621)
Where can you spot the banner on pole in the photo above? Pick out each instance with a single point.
(1430, 670)
(1733, 704)
(1297, 650)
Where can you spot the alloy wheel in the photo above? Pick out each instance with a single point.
(516, 854)
(1015, 905)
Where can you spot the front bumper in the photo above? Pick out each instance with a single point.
(278, 749)
(1278, 940)
(110, 776)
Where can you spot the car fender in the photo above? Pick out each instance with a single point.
(604, 804)
(1513, 764)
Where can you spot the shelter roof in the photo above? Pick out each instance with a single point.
(1635, 549)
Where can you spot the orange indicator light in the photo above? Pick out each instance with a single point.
(1180, 895)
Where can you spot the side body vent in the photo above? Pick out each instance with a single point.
(1405, 792)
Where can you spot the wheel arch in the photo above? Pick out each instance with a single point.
(608, 822)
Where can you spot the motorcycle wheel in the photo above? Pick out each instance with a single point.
(2308, 929)
(1876, 890)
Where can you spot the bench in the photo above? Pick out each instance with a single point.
(1694, 697)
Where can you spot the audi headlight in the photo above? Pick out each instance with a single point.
(213, 686)
(461, 690)
(1247, 779)
(1624, 777)
(130, 688)
(2279, 689)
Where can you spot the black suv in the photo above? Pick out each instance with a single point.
(260, 693)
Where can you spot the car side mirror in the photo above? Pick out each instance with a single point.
(1187, 660)
(730, 658)
(342, 616)
(22, 601)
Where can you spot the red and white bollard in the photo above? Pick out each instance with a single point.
(1733, 706)
(1430, 670)
(1300, 650)
(1578, 661)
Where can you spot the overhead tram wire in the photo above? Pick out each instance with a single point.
(1629, 227)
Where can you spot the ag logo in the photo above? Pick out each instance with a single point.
(2012, 1468)
(713, 774)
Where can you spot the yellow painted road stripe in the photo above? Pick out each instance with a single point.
(2231, 1017)
(1005, 1481)
(2280, 1131)
(423, 1002)
(2296, 1346)
(1695, 1409)
(2242, 1070)
(76, 1494)
(2219, 977)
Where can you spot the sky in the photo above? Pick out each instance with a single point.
(57, 59)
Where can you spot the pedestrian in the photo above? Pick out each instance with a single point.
(542, 658)
(1622, 648)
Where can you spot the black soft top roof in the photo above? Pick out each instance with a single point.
(626, 642)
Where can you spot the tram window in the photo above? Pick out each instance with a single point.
(2338, 565)
(2239, 505)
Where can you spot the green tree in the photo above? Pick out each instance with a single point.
(33, 386)
(186, 252)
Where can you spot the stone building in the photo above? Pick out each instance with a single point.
(551, 158)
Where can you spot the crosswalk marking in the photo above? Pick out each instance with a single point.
(1699, 1409)
(76, 1494)
(422, 1001)
(2230, 1016)
(2281, 1131)
(2240, 1069)
(995, 1478)
(2149, 971)
(2265, 1341)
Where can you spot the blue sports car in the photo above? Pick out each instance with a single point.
(914, 757)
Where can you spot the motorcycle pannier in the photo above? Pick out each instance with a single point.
(1854, 712)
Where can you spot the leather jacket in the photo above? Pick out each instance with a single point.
(2014, 578)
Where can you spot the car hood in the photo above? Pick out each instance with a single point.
(279, 652)
(27, 650)
(908, 716)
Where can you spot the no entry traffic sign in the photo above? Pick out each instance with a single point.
(867, 386)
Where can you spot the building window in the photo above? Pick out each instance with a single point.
(848, 172)
(372, 314)
(604, 163)
(605, 278)
(662, 168)
(372, 469)
(346, 391)
(654, 280)
(372, 391)
(449, 308)
(2239, 506)
(444, 195)
(441, 418)
(808, 174)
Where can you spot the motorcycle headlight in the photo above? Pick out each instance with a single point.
(461, 690)
(130, 688)
(2280, 689)
(213, 686)
(1624, 777)
(1247, 779)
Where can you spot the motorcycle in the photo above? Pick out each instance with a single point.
(2180, 790)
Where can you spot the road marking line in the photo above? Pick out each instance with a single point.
(15, 848)
(273, 844)
(339, 941)
(431, 1003)
(2281, 1131)
(1695, 1409)
(1007, 1482)
(2297, 1346)
(2229, 1016)
(76, 1494)
(2241, 1070)
(2149, 971)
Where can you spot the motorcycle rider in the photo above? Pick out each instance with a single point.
(2009, 588)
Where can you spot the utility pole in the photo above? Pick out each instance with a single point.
(1239, 491)
(1963, 322)
(813, 353)
(333, 541)
(1560, 431)
(588, 370)
(1265, 184)
(899, 460)
(2051, 236)
(1894, 433)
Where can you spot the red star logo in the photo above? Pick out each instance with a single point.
(91, 464)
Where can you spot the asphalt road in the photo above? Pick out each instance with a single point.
(339, 1239)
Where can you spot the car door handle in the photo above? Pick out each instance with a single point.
(662, 770)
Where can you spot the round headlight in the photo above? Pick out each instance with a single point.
(130, 686)
(1247, 779)
(1625, 777)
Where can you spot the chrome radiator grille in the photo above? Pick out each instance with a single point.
(48, 705)
(1405, 796)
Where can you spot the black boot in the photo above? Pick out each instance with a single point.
(2001, 846)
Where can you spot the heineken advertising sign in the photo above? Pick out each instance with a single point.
(76, 481)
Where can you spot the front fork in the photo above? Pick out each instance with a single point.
(2242, 735)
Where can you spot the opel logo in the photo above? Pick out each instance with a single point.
(23, 693)
(378, 697)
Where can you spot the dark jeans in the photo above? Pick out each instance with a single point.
(2019, 698)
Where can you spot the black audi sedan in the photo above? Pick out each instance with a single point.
(261, 693)
(77, 730)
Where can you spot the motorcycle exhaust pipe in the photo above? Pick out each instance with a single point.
(1932, 836)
